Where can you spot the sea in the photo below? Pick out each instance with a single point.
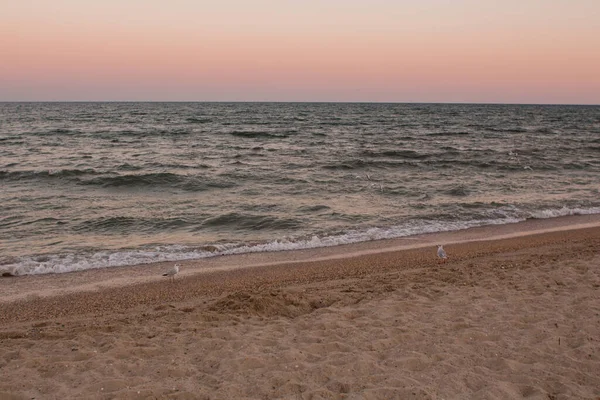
(100, 185)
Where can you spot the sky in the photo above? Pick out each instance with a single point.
(473, 51)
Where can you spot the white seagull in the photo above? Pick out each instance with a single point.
(172, 272)
(442, 253)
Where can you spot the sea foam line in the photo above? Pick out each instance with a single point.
(70, 262)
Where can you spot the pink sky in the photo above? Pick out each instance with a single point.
(527, 51)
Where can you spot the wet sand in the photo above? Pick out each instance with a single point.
(513, 313)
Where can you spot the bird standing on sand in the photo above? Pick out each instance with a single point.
(442, 253)
(172, 272)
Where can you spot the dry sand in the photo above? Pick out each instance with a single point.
(508, 318)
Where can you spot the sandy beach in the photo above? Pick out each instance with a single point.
(513, 313)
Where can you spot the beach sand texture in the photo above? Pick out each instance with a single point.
(501, 319)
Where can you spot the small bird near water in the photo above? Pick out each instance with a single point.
(442, 253)
(172, 272)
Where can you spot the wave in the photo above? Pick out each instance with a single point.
(45, 174)
(251, 222)
(346, 165)
(362, 164)
(158, 180)
(82, 176)
(315, 208)
(127, 225)
(155, 179)
(259, 134)
(491, 164)
(510, 129)
(128, 167)
(63, 131)
(52, 131)
(578, 165)
(563, 212)
(196, 120)
(459, 191)
(60, 263)
(12, 140)
(410, 154)
(546, 130)
(132, 225)
(177, 132)
(442, 134)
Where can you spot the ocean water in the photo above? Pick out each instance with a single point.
(94, 185)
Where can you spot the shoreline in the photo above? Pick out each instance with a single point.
(414, 252)
(17, 288)
(502, 318)
(50, 263)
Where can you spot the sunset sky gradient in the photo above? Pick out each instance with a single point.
(513, 51)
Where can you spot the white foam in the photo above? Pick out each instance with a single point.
(565, 211)
(60, 263)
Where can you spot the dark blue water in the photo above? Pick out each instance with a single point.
(89, 185)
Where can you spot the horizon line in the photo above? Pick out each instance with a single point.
(299, 102)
